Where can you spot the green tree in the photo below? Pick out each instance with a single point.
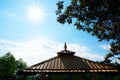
(8, 66)
(20, 64)
(100, 18)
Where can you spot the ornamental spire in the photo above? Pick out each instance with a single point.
(65, 46)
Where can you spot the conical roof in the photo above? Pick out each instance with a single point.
(66, 61)
(70, 64)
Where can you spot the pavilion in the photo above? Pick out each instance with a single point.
(67, 63)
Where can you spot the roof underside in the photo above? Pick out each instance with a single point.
(69, 64)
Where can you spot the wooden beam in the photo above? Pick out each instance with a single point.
(43, 76)
(49, 77)
(92, 76)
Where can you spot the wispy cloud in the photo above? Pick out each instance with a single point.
(37, 50)
(105, 46)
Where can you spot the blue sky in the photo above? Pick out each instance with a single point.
(37, 40)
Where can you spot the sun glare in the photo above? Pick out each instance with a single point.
(35, 14)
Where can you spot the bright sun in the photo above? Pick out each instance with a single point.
(35, 14)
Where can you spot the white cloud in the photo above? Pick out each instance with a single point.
(37, 50)
(105, 46)
(85, 52)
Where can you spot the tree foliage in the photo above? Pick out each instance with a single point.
(8, 66)
(100, 18)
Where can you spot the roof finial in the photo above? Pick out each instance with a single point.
(65, 46)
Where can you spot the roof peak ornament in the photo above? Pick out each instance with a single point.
(65, 46)
(65, 52)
